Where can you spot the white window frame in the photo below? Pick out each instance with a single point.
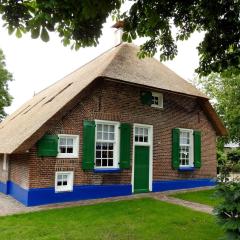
(116, 143)
(75, 146)
(69, 186)
(160, 100)
(149, 134)
(191, 146)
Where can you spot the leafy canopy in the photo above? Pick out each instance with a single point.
(5, 76)
(224, 89)
(79, 24)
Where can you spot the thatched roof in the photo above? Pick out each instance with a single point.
(120, 63)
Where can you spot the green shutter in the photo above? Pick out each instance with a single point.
(47, 146)
(88, 145)
(197, 149)
(175, 148)
(146, 98)
(125, 145)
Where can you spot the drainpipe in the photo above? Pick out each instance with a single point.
(5, 169)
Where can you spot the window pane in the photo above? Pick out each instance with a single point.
(110, 154)
(99, 127)
(98, 162)
(98, 145)
(110, 146)
(59, 177)
(70, 141)
(145, 139)
(104, 162)
(111, 136)
(141, 139)
(145, 131)
(110, 162)
(105, 136)
(98, 154)
(64, 183)
(111, 128)
(69, 149)
(104, 154)
(136, 138)
(59, 183)
(141, 131)
(99, 135)
(105, 128)
(62, 149)
(62, 141)
(104, 146)
(136, 131)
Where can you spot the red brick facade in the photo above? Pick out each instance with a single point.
(121, 102)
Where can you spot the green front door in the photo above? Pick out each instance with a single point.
(141, 169)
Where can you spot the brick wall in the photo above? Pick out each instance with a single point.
(19, 169)
(120, 102)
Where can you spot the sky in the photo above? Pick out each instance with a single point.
(35, 64)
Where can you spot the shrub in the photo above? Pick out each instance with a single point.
(228, 211)
(234, 156)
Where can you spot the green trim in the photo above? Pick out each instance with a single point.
(197, 149)
(125, 145)
(88, 145)
(175, 148)
(146, 98)
(47, 146)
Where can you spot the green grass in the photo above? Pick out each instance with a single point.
(132, 219)
(205, 197)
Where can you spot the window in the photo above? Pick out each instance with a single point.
(68, 146)
(186, 148)
(141, 135)
(106, 145)
(64, 181)
(157, 100)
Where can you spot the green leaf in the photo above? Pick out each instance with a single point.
(35, 32)
(44, 35)
(18, 33)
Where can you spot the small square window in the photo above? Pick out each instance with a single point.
(68, 146)
(141, 134)
(64, 181)
(157, 100)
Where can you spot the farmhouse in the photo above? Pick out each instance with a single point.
(116, 126)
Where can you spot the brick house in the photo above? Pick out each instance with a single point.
(116, 126)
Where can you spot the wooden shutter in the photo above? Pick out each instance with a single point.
(197, 149)
(47, 146)
(175, 148)
(88, 145)
(125, 145)
(146, 98)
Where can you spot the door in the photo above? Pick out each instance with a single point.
(142, 164)
(141, 169)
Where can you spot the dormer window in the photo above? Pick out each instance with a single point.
(157, 100)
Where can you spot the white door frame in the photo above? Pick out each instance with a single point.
(150, 144)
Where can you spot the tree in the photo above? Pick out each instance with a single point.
(5, 77)
(224, 89)
(79, 23)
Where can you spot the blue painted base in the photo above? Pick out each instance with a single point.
(159, 186)
(41, 196)
(3, 187)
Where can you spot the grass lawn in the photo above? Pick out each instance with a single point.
(125, 220)
(205, 197)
